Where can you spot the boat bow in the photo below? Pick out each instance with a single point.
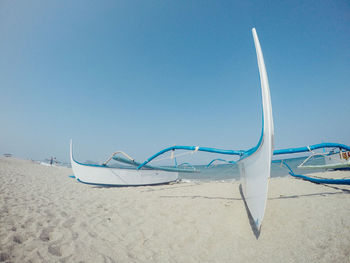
(255, 164)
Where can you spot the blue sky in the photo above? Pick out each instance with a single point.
(143, 75)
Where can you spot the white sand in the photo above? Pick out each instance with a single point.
(45, 216)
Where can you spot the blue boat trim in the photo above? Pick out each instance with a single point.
(243, 154)
(191, 148)
(121, 185)
(260, 142)
(85, 164)
(311, 147)
(92, 165)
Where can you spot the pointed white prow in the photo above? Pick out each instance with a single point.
(255, 166)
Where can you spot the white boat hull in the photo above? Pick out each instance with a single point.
(108, 176)
(334, 161)
(338, 159)
(255, 168)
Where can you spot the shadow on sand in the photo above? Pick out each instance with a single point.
(201, 197)
(255, 230)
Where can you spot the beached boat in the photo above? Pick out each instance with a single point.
(332, 160)
(333, 163)
(339, 160)
(111, 176)
(254, 164)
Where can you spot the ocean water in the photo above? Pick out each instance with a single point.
(229, 172)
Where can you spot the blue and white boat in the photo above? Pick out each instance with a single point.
(111, 176)
(254, 164)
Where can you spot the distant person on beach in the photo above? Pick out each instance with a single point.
(51, 160)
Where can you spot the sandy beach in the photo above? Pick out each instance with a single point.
(46, 216)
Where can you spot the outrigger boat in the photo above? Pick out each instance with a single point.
(311, 148)
(337, 161)
(110, 176)
(254, 164)
(332, 160)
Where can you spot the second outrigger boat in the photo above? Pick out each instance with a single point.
(332, 160)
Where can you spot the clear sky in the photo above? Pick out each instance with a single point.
(144, 75)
